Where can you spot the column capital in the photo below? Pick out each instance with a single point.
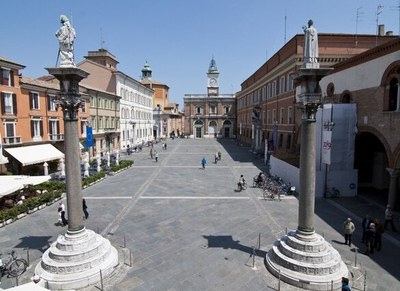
(393, 172)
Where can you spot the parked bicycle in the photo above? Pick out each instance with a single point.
(13, 266)
(332, 193)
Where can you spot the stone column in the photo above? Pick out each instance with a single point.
(307, 173)
(302, 257)
(394, 174)
(76, 259)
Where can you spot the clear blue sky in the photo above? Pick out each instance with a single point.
(179, 37)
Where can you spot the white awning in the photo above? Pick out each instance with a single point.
(12, 183)
(30, 155)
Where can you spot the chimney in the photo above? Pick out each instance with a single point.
(381, 29)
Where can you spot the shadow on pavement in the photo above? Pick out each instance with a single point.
(227, 242)
(40, 243)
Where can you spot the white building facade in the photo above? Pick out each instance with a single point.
(136, 111)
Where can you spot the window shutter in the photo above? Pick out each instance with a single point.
(30, 100)
(3, 96)
(50, 128)
(48, 103)
(32, 129)
(12, 78)
(58, 127)
(41, 127)
(14, 99)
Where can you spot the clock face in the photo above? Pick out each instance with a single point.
(213, 82)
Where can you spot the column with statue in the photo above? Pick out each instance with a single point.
(78, 257)
(304, 258)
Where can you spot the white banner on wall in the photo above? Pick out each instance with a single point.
(326, 146)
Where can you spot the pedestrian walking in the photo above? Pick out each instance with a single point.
(151, 153)
(156, 156)
(165, 146)
(389, 218)
(216, 158)
(219, 155)
(203, 163)
(370, 239)
(345, 284)
(84, 207)
(365, 225)
(348, 228)
(61, 212)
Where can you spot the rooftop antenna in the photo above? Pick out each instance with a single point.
(358, 16)
(379, 11)
(102, 42)
(398, 9)
(285, 29)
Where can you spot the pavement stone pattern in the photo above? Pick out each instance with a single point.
(179, 227)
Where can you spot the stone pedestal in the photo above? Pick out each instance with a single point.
(303, 258)
(306, 261)
(75, 260)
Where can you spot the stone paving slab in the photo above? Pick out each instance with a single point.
(187, 229)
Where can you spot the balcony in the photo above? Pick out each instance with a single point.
(56, 137)
(12, 140)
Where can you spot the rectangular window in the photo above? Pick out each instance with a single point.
(83, 106)
(198, 110)
(54, 130)
(8, 103)
(273, 89)
(280, 143)
(289, 115)
(282, 85)
(34, 100)
(288, 141)
(274, 115)
(213, 109)
(281, 116)
(36, 128)
(83, 127)
(7, 77)
(51, 103)
(289, 81)
(269, 120)
(226, 109)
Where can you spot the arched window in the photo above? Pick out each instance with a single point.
(393, 95)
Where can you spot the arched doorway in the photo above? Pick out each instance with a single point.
(227, 127)
(212, 128)
(198, 128)
(371, 162)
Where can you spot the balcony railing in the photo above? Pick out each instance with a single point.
(57, 136)
(12, 140)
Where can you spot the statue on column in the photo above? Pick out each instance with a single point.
(310, 46)
(66, 36)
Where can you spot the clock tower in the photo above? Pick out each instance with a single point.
(212, 76)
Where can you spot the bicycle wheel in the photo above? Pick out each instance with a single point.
(17, 267)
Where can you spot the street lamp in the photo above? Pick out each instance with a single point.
(159, 121)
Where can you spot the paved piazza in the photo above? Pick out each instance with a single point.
(187, 229)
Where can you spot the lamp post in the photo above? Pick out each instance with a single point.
(159, 121)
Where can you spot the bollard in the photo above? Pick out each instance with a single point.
(365, 280)
(279, 280)
(331, 285)
(27, 257)
(355, 257)
(124, 241)
(259, 240)
(130, 258)
(101, 280)
(16, 281)
(286, 230)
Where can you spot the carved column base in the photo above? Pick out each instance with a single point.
(74, 261)
(307, 262)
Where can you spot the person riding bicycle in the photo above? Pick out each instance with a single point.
(241, 182)
(260, 179)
